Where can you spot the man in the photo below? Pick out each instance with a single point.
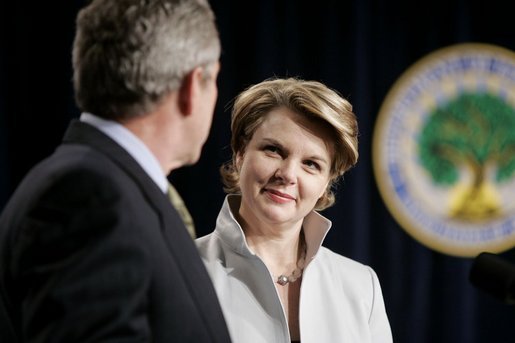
(91, 249)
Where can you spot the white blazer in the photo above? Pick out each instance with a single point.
(340, 299)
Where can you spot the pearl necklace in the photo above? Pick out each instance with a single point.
(297, 272)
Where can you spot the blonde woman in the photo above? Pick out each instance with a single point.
(291, 141)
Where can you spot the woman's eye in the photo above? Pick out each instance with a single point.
(312, 165)
(271, 148)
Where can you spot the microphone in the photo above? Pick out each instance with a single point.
(494, 275)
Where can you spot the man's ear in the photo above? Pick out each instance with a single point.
(189, 91)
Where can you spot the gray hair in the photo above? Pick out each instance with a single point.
(129, 54)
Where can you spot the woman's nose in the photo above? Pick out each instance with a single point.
(286, 172)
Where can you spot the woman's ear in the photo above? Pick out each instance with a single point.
(326, 191)
(238, 161)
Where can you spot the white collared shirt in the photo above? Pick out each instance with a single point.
(134, 146)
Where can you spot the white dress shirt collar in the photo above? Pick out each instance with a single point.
(134, 146)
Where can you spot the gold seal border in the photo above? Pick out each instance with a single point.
(405, 79)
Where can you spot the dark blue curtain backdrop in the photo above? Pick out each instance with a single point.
(359, 48)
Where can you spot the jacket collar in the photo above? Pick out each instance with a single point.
(315, 228)
(83, 133)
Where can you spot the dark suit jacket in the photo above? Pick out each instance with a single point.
(91, 250)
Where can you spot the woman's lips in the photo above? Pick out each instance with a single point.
(279, 197)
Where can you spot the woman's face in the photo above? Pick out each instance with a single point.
(284, 169)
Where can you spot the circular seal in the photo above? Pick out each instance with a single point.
(444, 150)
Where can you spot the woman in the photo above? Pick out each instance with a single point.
(291, 141)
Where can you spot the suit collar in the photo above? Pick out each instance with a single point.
(132, 144)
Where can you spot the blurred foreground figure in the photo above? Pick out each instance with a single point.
(91, 248)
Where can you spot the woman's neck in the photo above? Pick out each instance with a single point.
(279, 244)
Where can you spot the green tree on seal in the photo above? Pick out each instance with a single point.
(474, 131)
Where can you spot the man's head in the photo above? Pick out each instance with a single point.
(128, 55)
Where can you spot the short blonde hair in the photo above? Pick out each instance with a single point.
(311, 99)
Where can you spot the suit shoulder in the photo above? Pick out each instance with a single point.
(333, 260)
